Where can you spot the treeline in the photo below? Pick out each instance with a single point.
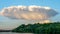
(47, 28)
(5, 30)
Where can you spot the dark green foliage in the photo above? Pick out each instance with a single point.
(47, 28)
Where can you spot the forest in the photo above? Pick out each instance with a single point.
(37, 28)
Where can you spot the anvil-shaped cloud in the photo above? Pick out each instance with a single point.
(28, 12)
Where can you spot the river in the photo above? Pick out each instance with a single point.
(13, 33)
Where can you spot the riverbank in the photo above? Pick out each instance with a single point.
(5, 30)
(46, 28)
(13, 33)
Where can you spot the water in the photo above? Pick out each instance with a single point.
(13, 33)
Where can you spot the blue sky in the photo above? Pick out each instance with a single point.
(51, 3)
(55, 4)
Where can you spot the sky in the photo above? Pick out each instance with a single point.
(4, 21)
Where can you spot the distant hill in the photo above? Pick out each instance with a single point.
(5, 30)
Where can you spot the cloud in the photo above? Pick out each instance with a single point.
(0, 13)
(32, 12)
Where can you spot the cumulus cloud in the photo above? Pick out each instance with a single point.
(0, 13)
(28, 12)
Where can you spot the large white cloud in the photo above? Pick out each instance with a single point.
(28, 12)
